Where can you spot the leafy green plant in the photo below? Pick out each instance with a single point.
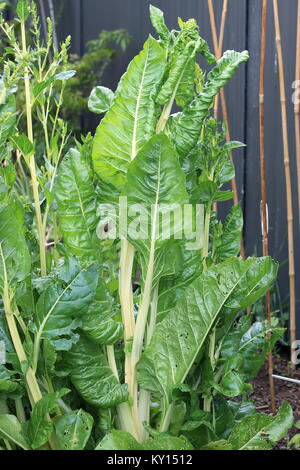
(131, 342)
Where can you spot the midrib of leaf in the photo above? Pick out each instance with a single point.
(133, 148)
(82, 209)
(146, 297)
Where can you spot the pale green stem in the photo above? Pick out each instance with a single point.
(52, 183)
(60, 102)
(127, 309)
(31, 382)
(45, 129)
(212, 341)
(208, 400)
(206, 233)
(3, 407)
(7, 444)
(125, 417)
(34, 181)
(20, 410)
(144, 396)
(164, 426)
(143, 312)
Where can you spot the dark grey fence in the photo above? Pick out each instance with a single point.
(84, 19)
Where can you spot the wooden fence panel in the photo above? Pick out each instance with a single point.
(84, 19)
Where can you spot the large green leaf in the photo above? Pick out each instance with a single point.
(92, 376)
(131, 120)
(98, 323)
(74, 429)
(173, 288)
(178, 339)
(61, 307)
(230, 240)
(12, 429)
(180, 83)
(246, 340)
(77, 207)
(15, 258)
(264, 272)
(186, 127)
(155, 179)
(186, 88)
(261, 432)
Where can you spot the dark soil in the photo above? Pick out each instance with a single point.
(285, 391)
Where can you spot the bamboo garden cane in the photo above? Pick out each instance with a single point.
(297, 105)
(263, 185)
(218, 47)
(289, 198)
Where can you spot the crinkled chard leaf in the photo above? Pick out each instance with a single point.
(155, 178)
(158, 23)
(178, 339)
(92, 376)
(230, 241)
(15, 257)
(171, 289)
(261, 432)
(98, 323)
(62, 306)
(246, 340)
(187, 126)
(181, 79)
(131, 120)
(77, 207)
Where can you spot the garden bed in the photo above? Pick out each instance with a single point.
(285, 391)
